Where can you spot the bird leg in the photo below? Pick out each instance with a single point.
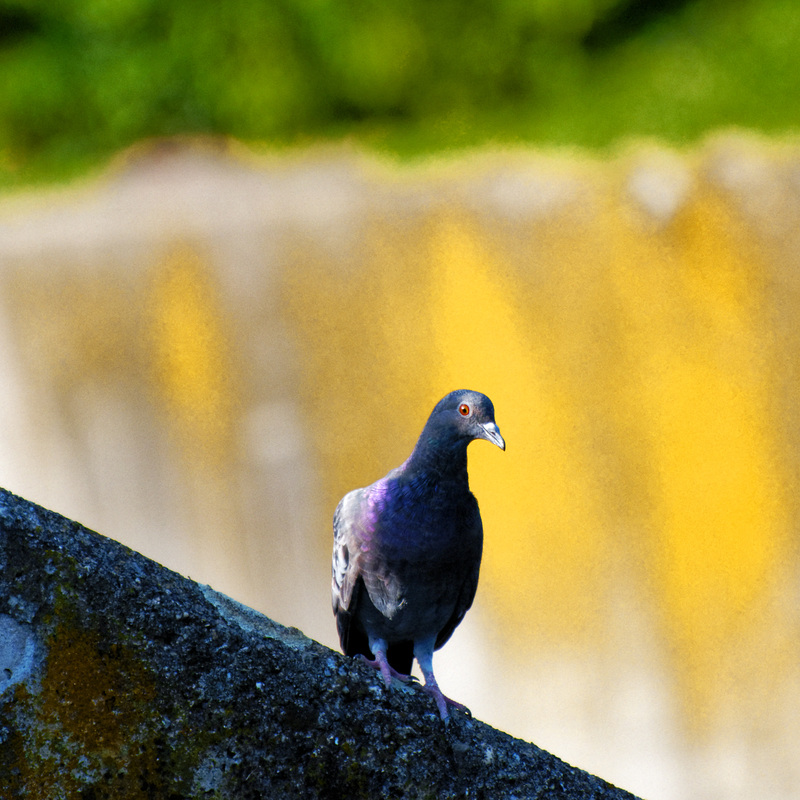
(442, 702)
(424, 656)
(380, 662)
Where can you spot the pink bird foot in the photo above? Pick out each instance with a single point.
(387, 671)
(443, 702)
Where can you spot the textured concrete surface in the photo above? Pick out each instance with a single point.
(120, 678)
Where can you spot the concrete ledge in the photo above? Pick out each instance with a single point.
(120, 678)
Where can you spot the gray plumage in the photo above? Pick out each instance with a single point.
(407, 548)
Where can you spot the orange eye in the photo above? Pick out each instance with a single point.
(464, 410)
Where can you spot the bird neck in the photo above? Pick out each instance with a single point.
(439, 456)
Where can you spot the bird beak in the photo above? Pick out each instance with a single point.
(492, 434)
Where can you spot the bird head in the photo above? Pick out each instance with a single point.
(469, 415)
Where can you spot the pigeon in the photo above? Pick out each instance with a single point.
(407, 549)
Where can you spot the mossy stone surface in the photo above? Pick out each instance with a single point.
(121, 679)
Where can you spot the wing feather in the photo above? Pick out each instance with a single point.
(356, 566)
(348, 537)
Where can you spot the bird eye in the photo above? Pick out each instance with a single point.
(464, 410)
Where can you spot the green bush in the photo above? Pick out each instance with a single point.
(80, 79)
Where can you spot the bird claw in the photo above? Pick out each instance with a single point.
(443, 702)
(386, 670)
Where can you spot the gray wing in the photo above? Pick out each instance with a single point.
(348, 535)
(356, 566)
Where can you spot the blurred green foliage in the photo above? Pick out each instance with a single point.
(80, 79)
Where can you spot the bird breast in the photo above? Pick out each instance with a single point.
(419, 559)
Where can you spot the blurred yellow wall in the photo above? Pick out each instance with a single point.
(277, 333)
(635, 369)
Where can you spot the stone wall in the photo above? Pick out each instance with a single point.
(121, 679)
